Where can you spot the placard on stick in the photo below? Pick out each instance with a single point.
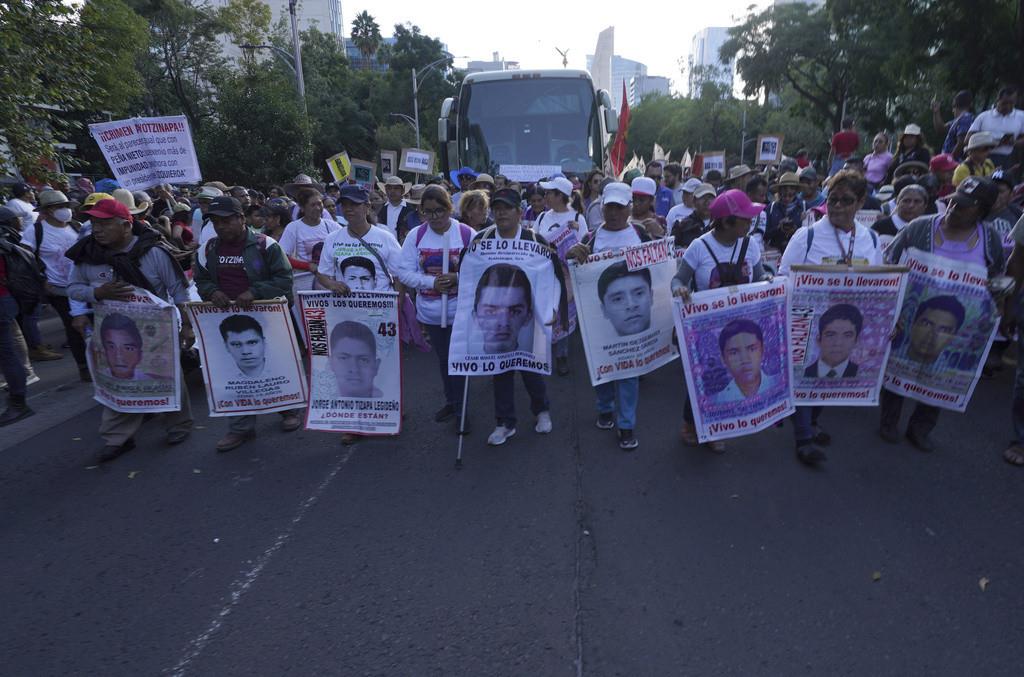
(417, 161)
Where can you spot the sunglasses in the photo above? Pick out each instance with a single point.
(844, 201)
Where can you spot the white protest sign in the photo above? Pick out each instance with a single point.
(508, 295)
(529, 173)
(144, 152)
(251, 360)
(417, 161)
(355, 383)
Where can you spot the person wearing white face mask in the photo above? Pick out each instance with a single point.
(51, 236)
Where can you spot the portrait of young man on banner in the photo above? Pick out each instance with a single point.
(625, 311)
(515, 295)
(840, 327)
(733, 343)
(133, 354)
(250, 357)
(355, 383)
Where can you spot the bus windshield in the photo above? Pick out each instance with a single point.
(541, 121)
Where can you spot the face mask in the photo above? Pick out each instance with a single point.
(63, 214)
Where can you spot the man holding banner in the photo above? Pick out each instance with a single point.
(834, 240)
(940, 308)
(623, 298)
(110, 264)
(514, 284)
(239, 267)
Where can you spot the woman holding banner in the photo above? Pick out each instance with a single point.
(838, 240)
(958, 235)
(725, 256)
(430, 264)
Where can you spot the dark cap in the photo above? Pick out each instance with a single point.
(8, 219)
(976, 191)
(224, 205)
(19, 189)
(507, 196)
(354, 193)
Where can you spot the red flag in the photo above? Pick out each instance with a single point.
(618, 152)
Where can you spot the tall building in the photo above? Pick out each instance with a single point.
(620, 72)
(600, 62)
(642, 86)
(325, 15)
(495, 64)
(705, 62)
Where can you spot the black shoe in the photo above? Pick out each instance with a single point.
(810, 453)
(626, 440)
(177, 437)
(562, 366)
(821, 438)
(889, 433)
(445, 413)
(16, 410)
(112, 451)
(605, 421)
(921, 442)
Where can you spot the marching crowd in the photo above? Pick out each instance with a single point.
(71, 246)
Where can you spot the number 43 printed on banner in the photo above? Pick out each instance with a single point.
(387, 329)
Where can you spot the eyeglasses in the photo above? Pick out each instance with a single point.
(433, 213)
(844, 201)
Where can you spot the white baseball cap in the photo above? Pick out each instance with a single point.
(644, 185)
(691, 185)
(559, 183)
(617, 193)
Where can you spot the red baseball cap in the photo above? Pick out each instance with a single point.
(943, 162)
(735, 203)
(108, 209)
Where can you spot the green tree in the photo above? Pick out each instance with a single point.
(55, 63)
(366, 36)
(247, 22)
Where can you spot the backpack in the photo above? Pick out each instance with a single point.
(26, 276)
(730, 274)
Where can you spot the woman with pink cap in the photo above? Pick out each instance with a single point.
(724, 256)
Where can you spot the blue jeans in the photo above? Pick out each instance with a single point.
(804, 420)
(561, 347)
(626, 394)
(505, 396)
(441, 339)
(10, 362)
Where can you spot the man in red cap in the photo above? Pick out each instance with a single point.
(942, 167)
(109, 264)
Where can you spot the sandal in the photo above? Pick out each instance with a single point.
(1014, 455)
(689, 435)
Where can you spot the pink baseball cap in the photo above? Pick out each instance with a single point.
(735, 203)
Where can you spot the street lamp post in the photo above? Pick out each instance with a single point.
(301, 82)
(300, 86)
(416, 82)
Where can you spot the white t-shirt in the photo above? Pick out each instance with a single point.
(393, 213)
(614, 240)
(422, 261)
(206, 234)
(825, 247)
(55, 242)
(24, 210)
(705, 270)
(340, 245)
(299, 238)
(677, 213)
(551, 222)
(999, 126)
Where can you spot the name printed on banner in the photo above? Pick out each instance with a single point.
(649, 253)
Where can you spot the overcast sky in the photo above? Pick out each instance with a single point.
(528, 31)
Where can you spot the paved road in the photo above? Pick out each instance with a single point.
(556, 555)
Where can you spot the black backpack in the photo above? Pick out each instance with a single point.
(26, 276)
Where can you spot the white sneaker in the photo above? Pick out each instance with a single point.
(500, 434)
(543, 423)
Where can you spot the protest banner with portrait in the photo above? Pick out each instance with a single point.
(840, 329)
(507, 296)
(250, 357)
(133, 354)
(563, 240)
(735, 354)
(945, 330)
(355, 367)
(624, 307)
